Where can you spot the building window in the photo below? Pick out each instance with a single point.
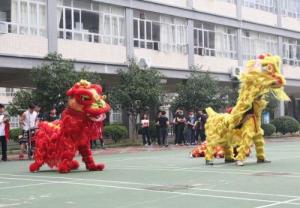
(159, 32)
(214, 40)
(14, 122)
(229, 1)
(264, 5)
(27, 17)
(91, 22)
(291, 8)
(256, 43)
(116, 115)
(291, 52)
(7, 92)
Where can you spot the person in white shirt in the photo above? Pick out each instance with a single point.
(4, 119)
(145, 130)
(28, 123)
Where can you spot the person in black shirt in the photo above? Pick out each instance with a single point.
(157, 128)
(179, 122)
(163, 123)
(52, 116)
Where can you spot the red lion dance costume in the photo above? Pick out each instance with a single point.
(58, 142)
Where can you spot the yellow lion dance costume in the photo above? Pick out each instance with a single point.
(242, 126)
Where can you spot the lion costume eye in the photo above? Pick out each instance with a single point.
(85, 98)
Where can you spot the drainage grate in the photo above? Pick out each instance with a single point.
(271, 174)
(169, 188)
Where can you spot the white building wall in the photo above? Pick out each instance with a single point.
(215, 64)
(23, 45)
(162, 59)
(85, 51)
(215, 7)
(291, 23)
(291, 72)
(259, 16)
(178, 3)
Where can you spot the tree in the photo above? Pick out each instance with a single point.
(20, 102)
(272, 105)
(200, 90)
(51, 80)
(54, 78)
(137, 90)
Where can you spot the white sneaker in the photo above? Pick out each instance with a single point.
(239, 163)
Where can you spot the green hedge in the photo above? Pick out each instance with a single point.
(116, 132)
(286, 124)
(14, 134)
(269, 129)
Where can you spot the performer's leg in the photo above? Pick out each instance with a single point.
(260, 148)
(228, 154)
(87, 158)
(247, 135)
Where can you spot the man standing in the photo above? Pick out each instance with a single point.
(4, 131)
(163, 123)
(28, 122)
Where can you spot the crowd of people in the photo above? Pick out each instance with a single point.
(187, 127)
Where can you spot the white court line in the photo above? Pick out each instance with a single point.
(148, 190)
(278, 203)
(80, 179)
(151, 184)
(23, 186)
(244, 192)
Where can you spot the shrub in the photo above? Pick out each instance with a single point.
(286, 124)
(269, 129)
(116, 132)
(14, 134)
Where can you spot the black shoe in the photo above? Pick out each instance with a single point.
(4, 159)
(263, 161)
(209, 162)
(229, 160)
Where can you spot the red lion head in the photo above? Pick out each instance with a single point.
(87, 98)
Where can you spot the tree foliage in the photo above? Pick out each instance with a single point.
(51, 80)
(20, 102)
(199, 91)
(137, 91)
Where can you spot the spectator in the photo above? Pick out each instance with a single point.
(179, 121)
(200, 127)
(40, 115)
(190, 128)
(52, 116)
(4, 131)
(163, 123)
(175, 123)
(28, 123)
(157, 128)
(145, 130)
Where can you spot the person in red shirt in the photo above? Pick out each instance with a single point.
(145, 130)
(4, 131)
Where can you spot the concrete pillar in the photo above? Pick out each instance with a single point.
(129, 33)
(280, 109)
(240, 47)
(239, 9)
(279, 13)
(52, 25)
(190, 36)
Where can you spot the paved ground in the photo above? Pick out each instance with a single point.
(156, 178)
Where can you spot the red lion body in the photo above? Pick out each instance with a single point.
(57, 142)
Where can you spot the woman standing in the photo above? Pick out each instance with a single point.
(145, 130)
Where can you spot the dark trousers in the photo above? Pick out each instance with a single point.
(176, 134)
(202, 135)
(180, 134)
(158, 135)
(4, 147)
(163, 136)
(146, 136)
